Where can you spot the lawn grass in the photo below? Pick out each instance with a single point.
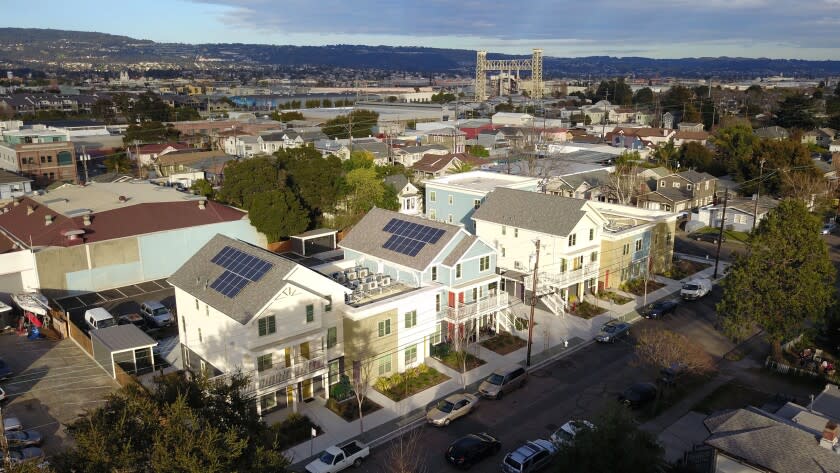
(731, 396)
(349, 409)
(731, 235)
(587, 310)
(402, 385)
(504, 343)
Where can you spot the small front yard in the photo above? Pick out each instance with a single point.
(349, 409)
(293, 431)
(683, 268)
(613, 297)
(731, 396)
(399, 386)
(504, 343)
(637, 286)
(731, 235)
(586, 310)
(452, 359)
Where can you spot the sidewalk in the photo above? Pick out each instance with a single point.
(554, 337)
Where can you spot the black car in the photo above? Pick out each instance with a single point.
(638, 395)
(470, 449)
(5, 371)
(659, 308)
(708, 237)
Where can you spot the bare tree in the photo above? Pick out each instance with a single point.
(805, 185)
(664, 349)
(407, 454)
(626, 182)
(361, 381)
(459, 344)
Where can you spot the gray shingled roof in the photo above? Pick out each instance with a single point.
(549, 214)
(596, 178)
(7, 177)
(368, 237)
(459, 250)
(694, 177)
(768, 443)
(119, 338)
(198, 273)
(828, 402)
(397, 181)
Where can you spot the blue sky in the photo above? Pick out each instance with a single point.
(652, 28)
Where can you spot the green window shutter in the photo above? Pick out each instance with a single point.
(272, 324)
(262, 327)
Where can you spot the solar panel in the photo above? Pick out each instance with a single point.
(410, 238)
(240, 269)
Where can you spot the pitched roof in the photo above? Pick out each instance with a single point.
(460, 249)
(433, 162)
(158, 147)
(199, 272)
(595, 178)
(772, 132)
(120, 222)
(691, 135)
(549, 214)
(8, 177)
(758, 439)
(694, 177)
(369, 235)
(397, 181)
(189, 158)
(671, 193)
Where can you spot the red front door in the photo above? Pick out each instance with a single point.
(451, 299)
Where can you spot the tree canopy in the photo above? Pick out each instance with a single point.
(795, 112)
(616, 91)
(247, 178)
(615, 444)
(784, 282)
(278, 214)
(150, 132)
(183, 425)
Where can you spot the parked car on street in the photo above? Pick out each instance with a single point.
(828, 228)
(11, 424)
(532, 456)
(502, 381)
(20, 455)
(695, 289)
(156, 313)
(5, 371)
(612, 331)
(23, 438)
(565, 435)
(451, 408)
(707, 237)
(338, 458)
(638, 395)
(470, 449)
(658, 309)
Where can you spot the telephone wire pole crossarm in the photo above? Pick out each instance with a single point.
(533, 306)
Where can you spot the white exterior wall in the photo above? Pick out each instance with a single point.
(222, 340)
(23, 263)
(8, 158)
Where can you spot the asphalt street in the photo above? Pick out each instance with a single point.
(576, 387)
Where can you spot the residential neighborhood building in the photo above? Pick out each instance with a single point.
(687, 136)
(454, 198)
(500, 119)
(776, 133)
(454, 139)
(99, 236)
(739, 213)
(244, 309)
(186, 168)
(591, 185)
(242, 146)
(409, 197)
(680, 191)
(436, 165)
(13, 185)
(272, 141)
(409, 155)
(334, 148)
(687, 126)
(148, 154)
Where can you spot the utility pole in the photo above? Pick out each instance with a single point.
(720, 232)
(533, 306)
(758, 193)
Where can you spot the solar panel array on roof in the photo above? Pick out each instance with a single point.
(409, 238)
(240, 269)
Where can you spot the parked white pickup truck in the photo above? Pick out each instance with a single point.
(695, 289)
(338, 458)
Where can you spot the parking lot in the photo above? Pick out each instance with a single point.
(53, 383)
(126, 300)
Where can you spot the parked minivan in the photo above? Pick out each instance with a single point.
(503, 381)
(98, 317)
(156, 313)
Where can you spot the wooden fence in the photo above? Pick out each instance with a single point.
(80, 337)
(122, 377)
(783, 368)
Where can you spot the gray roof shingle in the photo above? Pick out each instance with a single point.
(119, 338)
(549, 214)
(753, 436)
(462, 247)
(198, 273)
(368, 237)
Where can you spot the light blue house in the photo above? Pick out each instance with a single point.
(453, 198)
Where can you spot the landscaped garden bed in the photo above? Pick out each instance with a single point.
(683, 268)
(613, 297)
(637, 286)
(294, 430)
(504, 343)
(399, 386)
(349, 409)
(451, 359)
(586, 310)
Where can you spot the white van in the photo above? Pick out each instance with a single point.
(695, 289)
(99, 318)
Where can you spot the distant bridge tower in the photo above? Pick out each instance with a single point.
(482, 65)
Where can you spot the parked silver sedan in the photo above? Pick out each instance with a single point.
(451, 408)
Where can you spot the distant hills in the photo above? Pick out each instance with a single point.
(45, 48)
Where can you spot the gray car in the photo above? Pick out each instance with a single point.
(451, 408)
(503, 381)
(534, 455)
(612, 331)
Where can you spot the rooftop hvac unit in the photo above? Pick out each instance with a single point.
(371, 286)
(351, 275)
(386, 281)
(363, 272)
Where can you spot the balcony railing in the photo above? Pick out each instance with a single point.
(278, 376)
(466, 311)
(549, 279)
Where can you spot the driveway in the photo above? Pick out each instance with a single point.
(54, 382)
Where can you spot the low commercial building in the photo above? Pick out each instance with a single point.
(44, 155)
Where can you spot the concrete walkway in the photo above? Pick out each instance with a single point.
(554, 337)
